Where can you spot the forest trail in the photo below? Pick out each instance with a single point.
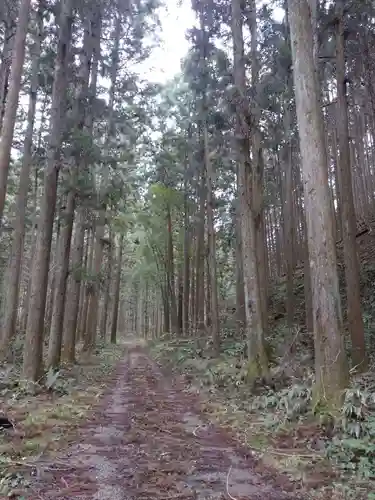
(148, 441)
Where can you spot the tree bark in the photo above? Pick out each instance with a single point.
(288, 208)
(257, 168)
(240, 288)
(14, 270)
(349, 223)
(331, 367)
(84, 119)
(166, 307)
(32, 361)
(180, 297)
(146, 311)
(73, 294)
(90, 339)
(50, 294)
(186, 270)
(11, 105)
(6, 61)
(170, 272)
(116, 299)
(257, 358)
(61, 273)
(199, 265)
(107, 292)
(214, 327)
(86, 292)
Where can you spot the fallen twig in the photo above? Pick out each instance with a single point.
(177, 497)
(64, 482)
(229, 495)
(273, 451)
(196, 429)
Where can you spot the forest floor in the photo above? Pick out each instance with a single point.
(147, 438)
(46, 417)
(276, 422)
(116, 426)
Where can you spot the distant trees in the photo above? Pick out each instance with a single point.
(160, 207)
(12, 96)
(285, 192)
(62, 217)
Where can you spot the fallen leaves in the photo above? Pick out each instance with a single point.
(46, 419)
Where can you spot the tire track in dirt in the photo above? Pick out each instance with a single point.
(148, 441)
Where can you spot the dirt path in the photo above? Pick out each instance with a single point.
(149, 442)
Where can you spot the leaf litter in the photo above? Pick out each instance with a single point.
(147, 439)
(46, 417)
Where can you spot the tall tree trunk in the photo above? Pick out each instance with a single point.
(186, 278)
(6, 61)
(84, 119)
(107, 292)
(349, 224)
(145, 311)
(240, 289)
(187, 245)
(166, 308)
(78, 273)
(215, 329)
(170, 273)
(136, 307)
(25, 305)
(11, 105)
(61, 274)
(288, 205)
(192, 287)
(180, 295)
(34, 229)
(141, 331)
(32, 361)
(14, 271)
(331, 367)
(307, 281)
(100, 229)
(50, 294)
(208, 302)
(258, 363)
(88, 287)
(116, 299)
(73, 294)
(200, 254)
(257, 164)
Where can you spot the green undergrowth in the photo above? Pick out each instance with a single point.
(46, 416)
(333, 458)
(327, 456)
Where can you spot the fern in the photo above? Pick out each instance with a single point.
(352, 449)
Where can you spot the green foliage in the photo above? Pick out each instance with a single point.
(227, 375)
(352, 447)
(10, 482)
(289, 404)
(233, 349)
(295, 401)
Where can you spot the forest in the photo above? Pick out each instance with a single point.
(225, 218)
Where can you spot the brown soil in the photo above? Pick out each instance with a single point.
(148, 440)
